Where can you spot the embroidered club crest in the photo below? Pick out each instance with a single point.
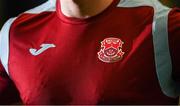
(111, 50)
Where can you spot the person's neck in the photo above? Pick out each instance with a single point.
(83, 8)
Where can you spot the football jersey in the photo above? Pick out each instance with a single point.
(109, 58)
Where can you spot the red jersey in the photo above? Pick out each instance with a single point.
(106, 59)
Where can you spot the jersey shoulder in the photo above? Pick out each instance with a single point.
(36, 13)
(31, 14)
(143, 8)
(17, 23)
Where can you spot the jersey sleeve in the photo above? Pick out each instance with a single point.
(8, 91)
(174, 42)
(3, 79)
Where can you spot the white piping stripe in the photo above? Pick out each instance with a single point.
(135, 3)
(162, 54)
(4, 44)
(53, 2)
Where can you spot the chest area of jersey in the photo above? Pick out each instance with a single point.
(72, 58)
(59, 46)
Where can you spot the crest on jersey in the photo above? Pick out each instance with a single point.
(111, 50)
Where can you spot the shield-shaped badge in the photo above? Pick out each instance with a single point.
(111, 50)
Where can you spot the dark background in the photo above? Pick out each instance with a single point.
(11, 8)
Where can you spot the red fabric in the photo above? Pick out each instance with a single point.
(8, 92)
(71, 72)
(174, 41)
(3, 80)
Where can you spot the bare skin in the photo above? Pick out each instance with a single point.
(83, 8)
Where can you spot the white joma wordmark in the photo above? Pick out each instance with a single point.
(43, 48)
